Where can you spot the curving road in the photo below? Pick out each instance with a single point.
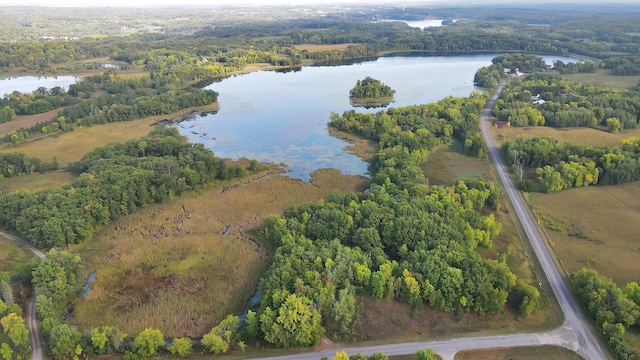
(574, 334)
(589, 346)
(32, 323)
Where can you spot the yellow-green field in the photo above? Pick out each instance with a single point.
(587, 136)
(73, 145)
(598, 228)
(170, 266)
(520, 353)
(603, 77)
(37, 182)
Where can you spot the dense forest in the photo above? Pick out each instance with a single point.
(112, 182)
(370, 88)
(401, 239)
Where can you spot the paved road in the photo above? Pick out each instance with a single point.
(574, 334)
(574, 320)
(32, 324)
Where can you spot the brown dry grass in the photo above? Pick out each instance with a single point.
(324, 47)
(603, 221)
(363, 148)
(27, 121)
(587, 136)
(37, 182)
(521, 353)
(169, 266)
(73, 145)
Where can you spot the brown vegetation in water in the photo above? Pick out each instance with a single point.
(169, 266)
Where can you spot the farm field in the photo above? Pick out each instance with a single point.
(596, 227)
(603, 77)
(183, 266)
(587, 136)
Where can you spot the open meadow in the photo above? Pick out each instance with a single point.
(587, 136)
(603, 77)
(36, 182)
(185, 265)
(594, 227)
(12, 254)
(71, 146)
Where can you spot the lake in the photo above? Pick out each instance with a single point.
(282, 117)
(28, 84)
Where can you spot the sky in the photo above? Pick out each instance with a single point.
(140, 3)
(176, 2)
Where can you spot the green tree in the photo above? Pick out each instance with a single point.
(181, 346)
(106, 339)
(14, 326)
(215, 343)
(148, 342)
(427, 354)
(6, 352)
(294, 324)
(64, 342)
(613, 125)
(6, 293)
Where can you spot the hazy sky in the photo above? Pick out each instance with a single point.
(139, 3)
(249, 2)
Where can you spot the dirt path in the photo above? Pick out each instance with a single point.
(32, 323)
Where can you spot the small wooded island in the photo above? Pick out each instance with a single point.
(370, 92)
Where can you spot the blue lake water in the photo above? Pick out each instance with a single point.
(282, 117)
(28, 84)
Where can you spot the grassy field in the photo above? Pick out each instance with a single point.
(449, 163)
(12, 255)
(520, 353)
(587, 136)
(73, 145)
(37, 182)
(603, 77)
(596, 227)
(170, 266)
(323, 47)
(26, 121)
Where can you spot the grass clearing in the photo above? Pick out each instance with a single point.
(587, 136)
(170, 266)
(12, 255)
(546, 352)
(71, 146)
(604, 77)
(449, 163)
(36, 182)
(597, 228)
(27, 121)
(324, 47)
